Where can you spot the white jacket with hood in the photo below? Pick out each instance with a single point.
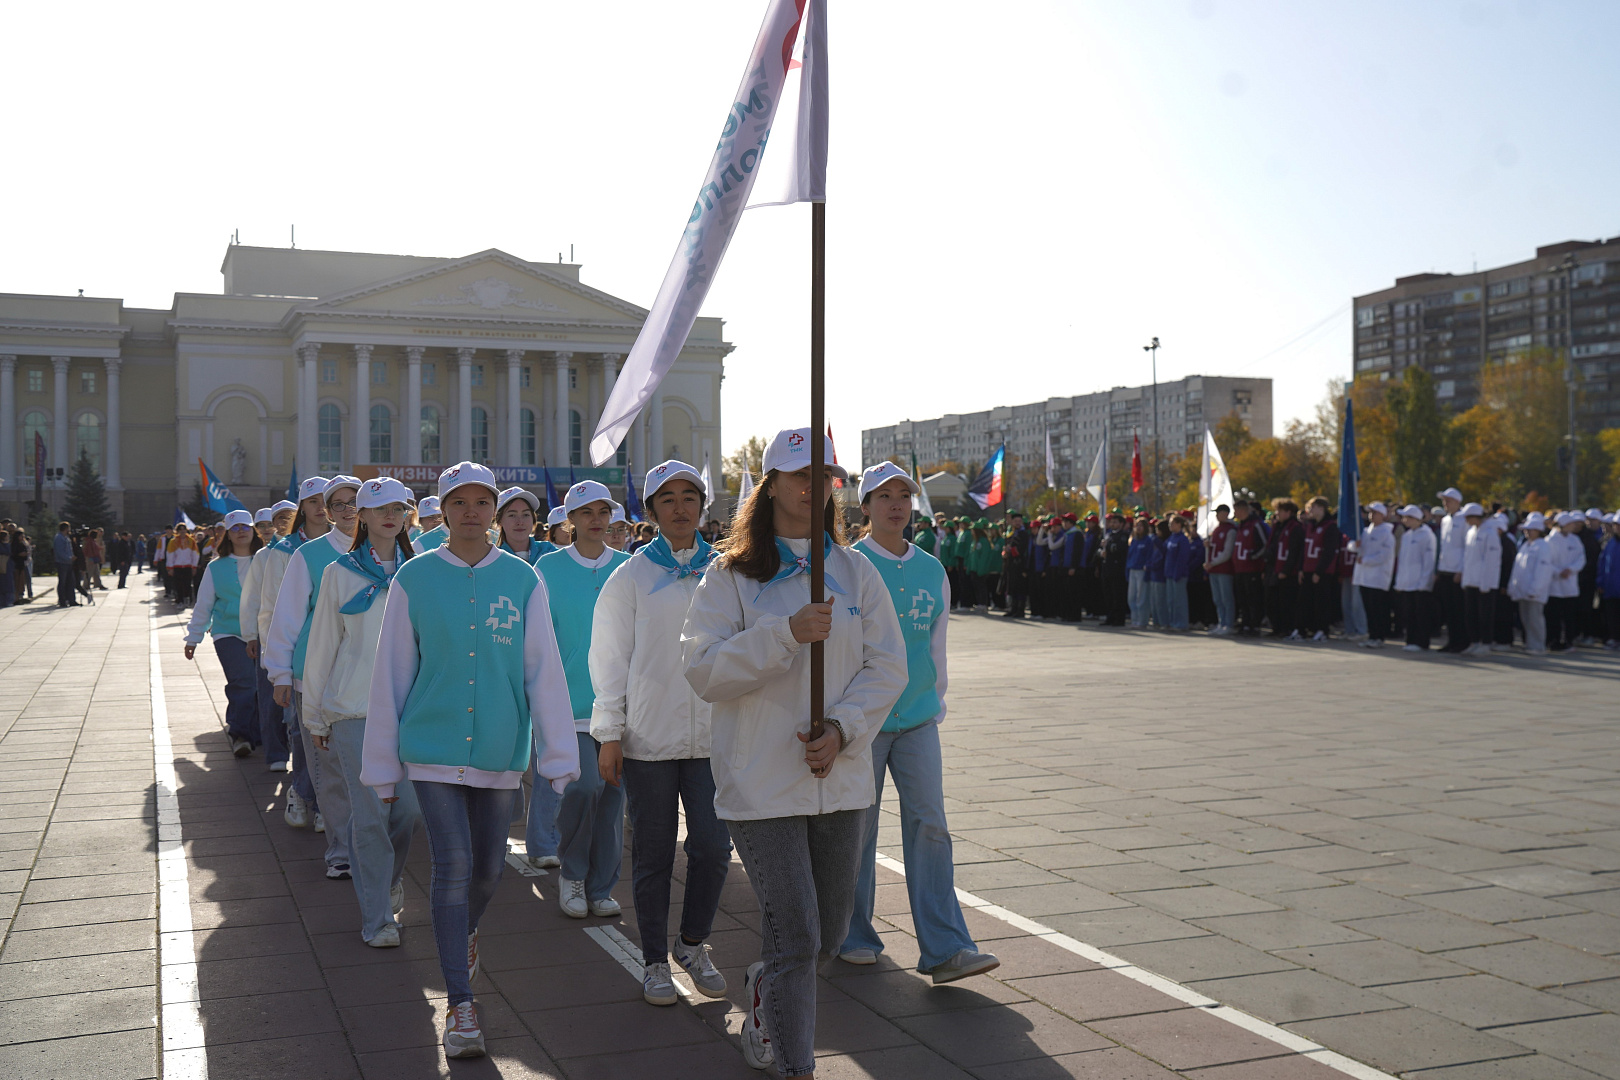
(1532, 572)
(1375, 557)
(1566, 553)
(1482, 558)
(1414, 568)
(741, 656)
(342, 651)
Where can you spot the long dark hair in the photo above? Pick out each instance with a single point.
(750, 545)
(403, 539)
(227, 546)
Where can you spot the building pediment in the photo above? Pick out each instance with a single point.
(488, 285)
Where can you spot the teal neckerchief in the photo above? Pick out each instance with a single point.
(793, 565)
(364, 561)
(659, 553)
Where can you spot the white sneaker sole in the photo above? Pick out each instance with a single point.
(985, 963)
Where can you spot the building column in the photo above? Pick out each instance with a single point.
(464, 363)
(561, 403)
(60, 458)
(636, 451)
(362, 407)
(655, 429)
(8, 418)
(514, 407)
(112, 456)
(413, 405)
(309, 458)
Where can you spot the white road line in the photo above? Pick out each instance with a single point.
(184, 1056)
(628, 956)
(1119, 965)
(518, 859)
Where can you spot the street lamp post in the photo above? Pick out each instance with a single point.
(1154, 350)
(1568, 267)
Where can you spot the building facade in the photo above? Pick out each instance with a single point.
(1077, 425)
(329, 361)
(1567, 297)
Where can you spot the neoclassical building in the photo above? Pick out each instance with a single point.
(335, 361)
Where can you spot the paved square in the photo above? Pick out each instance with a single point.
(1410, 862)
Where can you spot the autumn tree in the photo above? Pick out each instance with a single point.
(1422, 458)
(750, 456)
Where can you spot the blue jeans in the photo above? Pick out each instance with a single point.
(379, 832)
(913, 758)
(1159, 603)
(540, 834)
(241, 689)
(1221, 587)
(1137, 598)
(466, 830)
(299, 779)
(272, 721)
(1355, 612)
(1175, 604)
(590, 823)
(331, 793)
(656, 790)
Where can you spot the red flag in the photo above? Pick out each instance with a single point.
(837, 483)
(1136, 463)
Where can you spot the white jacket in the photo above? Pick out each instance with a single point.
(252, 585)
(1567, 553)
(292, 605)
(202, 611)
(342, 652)
(1414, 566)
(1375, 557)
(1453, 540)
(741, 656)
(642, 697)
(269, 587)
(1532, 572)
(1482, 558)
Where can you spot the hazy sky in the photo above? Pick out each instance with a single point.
(1020, 195)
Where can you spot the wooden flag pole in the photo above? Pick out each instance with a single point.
(818, 455)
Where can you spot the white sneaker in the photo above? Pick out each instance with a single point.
(387, 938)
(860, 957)
(472, 956)
(1293, 635)
(1319, 636)
(543, 862)
(571, 898)
(320, 822)
(462, 1037)
(964, 963)
(396, 898)
(695, 961)
(657, 987)
(338, 872)
(297, 813)
(607, 907)
(756, 1045)
(1411, 648)
(280, 766)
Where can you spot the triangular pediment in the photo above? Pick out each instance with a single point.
(490, 284)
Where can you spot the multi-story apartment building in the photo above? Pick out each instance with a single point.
(1567, 297)
(1077, 425)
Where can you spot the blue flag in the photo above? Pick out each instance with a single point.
(1349, 476)
(292, 483)
(552, 500)
(986, 489)
(632, 501)
(219, 497)
(571, 479)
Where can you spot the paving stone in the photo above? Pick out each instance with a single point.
(1279, 930)
(718, 1060)
(83, 888)
(77, 974)
(1406, 1040)
(1096, 994)
(79, 941)
(1189, 1039)
(123, 1055)
(906, 993)
(317, 1056)
(990, 1036)
(1210, 957)
(1122, 926)
(92, 912)
(1435, 931)
(1589, 1042)
(1297, 994)
(1529, 1067)
(1109, 1063)
(1373, 963)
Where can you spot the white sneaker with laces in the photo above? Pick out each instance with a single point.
(571, 898)
(695, 961)
(396, 898)
(543, 862)
(657, 987)
(320, 822)
(756, 1045)
(860, 957)
(297, 813)
(386, 938)
(462, 1037)
(965, 963)
(607, 907)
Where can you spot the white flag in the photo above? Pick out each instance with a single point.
(1214, 485)
(708, 490)
(745, 486)
(795, 170)
(720, 203)
(1051, 466)
(1097, 482)
(920, 502)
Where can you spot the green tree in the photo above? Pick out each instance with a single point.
(86, 503)
(1421, 458)
(748, 456)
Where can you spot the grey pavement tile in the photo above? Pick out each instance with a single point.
(1296, 994)
(982, 1037)
(1435, 931)
(628, 1026)
(77, 974)
(1405, 1040)
(79, 941)
(1200, 901)
(1341, 903)
(1604, 995)
(65, 1016)
(1189, 1039)
(712, 1059)
(976, 877)
(1607, 901)
(122, 862)
(1279, 930)
(1588, 931)
(1590, 1042)
(1463, 859)
(1292, 1067)
(89, 912)
(292, 971)
(317, 1056)
(1198, 857)
(1096, 994)
(1485, 1001)
(1532, 1066)
(1133, 876)
(1373, 963)
(1037, 901)
(1267, 879)
(1493, 904)
(1109, 1063)
(1069, 856)
(124, 1055)
(1210, 957)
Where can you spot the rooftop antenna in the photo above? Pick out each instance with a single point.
(559, 258)
(570, 252)
(294, 229)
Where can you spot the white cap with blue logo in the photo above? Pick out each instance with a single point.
(467, 472)
(586, 492)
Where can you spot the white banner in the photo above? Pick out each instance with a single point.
(1051, 465)
(1097, 482)
(795, 170)
(1214, 485)
(720, 203)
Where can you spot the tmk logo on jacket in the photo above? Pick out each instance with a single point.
(494, 622)
(922, 607)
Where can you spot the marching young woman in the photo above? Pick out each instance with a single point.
(795, 806)
(907, 747)
(1415, 576)
(343, 634)
(286, 649)
(309, 523)
(453, 711)
(515, 516)
(654, 733)
(218, 612)
(433, 530)
(590, 818)
(271, 523)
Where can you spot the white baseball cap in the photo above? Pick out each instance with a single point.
(659, 475)
(790, 452)
(1566, 516)
(1412, 510)
(284, 504)
(1473, 510)
(1534, 520)
(556, 517)
(586, 492)
(464, 473)
(881, 474)
(311, 486)
(517, 493)
(338, 483)
(381, 492)
(428, 507)
(617, 515)
(1450, 493)
(1378, 507)
(237, 517)
(264, 514)
(1594, 512)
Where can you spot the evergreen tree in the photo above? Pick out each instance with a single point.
(86, 504)
(1423, 442)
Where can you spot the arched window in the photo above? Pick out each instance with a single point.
(330, 429)
(526, 438)
(34, 423)
(87, 439)
(430, 435)
(574, 438)
(480, 435)
(382, 435)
